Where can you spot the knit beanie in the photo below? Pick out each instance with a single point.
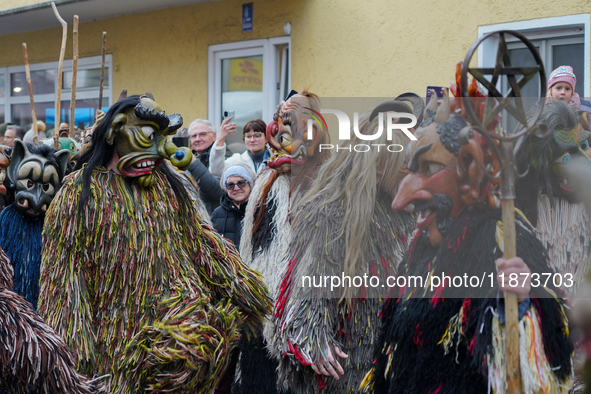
(562, 74)
(237, 170)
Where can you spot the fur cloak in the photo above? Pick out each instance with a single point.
(33, 358)
(264, 251)
(307, 319)
(435, 343)
(141, 291)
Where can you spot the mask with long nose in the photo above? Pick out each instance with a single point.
(444, 176)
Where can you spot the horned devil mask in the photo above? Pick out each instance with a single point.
(36, 174)
(139, 135)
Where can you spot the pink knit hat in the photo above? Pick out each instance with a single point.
(562, 74)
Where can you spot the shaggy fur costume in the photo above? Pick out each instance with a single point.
(33, 358)
(352, 325)
(21, 240)
(440, 344)
(263, 251)
(141, 291)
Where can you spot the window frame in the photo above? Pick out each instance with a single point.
(540, 29)
(66, 95)
(268, 48)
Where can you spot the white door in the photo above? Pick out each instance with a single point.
(249, 78)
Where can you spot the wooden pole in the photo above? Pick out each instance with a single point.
(60, 68)
(74, 76)
(30, 86)
(513, 367)
(100, 102)
(511, 306)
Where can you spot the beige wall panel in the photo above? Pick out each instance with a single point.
(8, 4)
(163, 51)
(382, 47)
(339, 47)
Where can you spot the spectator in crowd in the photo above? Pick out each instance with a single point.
(3, 127)
(13, 132)
(202, 136)
(254, 136)
(227, 218)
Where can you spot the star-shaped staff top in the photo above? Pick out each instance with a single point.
(502, 67)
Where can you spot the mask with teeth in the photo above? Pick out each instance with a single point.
(446, 172)
(140, 137)
(35, 173)
(288, 134)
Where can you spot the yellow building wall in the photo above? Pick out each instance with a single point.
(376, 48)
(164, 51)
(8, 4)
(380, 48)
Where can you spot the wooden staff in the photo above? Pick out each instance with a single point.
(514, 383)
(518, 77)
(60, 67)
(30, 86)
(74, 75)
(100, 102)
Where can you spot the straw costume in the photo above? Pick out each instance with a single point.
(132, 279)
(343, 227)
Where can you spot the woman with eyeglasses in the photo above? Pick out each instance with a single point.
(237, 180)
(255, 139)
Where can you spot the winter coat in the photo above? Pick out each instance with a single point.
(227, 219)
(210, 190)
(218, 160)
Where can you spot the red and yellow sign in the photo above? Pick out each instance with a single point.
(246, 74)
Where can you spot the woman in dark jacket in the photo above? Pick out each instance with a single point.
(237, 180)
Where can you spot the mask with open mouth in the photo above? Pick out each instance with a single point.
(139, 134)
(36, 173)
(438, 208)
(288, 134)
(446, 172)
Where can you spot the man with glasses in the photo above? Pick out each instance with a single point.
(254, 136)
(12, 133)
(202, 136)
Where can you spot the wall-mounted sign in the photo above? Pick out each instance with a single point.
(246, 74)
(247, 17)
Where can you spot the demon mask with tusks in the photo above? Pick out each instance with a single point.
(35, 174)
(139, 134)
